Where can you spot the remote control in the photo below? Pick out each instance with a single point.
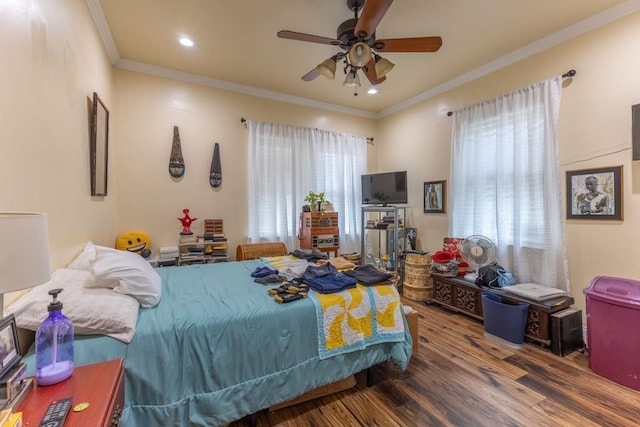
(56, 413)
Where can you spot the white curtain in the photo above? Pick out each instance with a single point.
(505, 181)
(286, 163)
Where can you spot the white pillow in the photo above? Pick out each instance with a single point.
(84, 260)
(92, 311)
(127, 273)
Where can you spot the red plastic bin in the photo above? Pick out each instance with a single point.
(613, 340)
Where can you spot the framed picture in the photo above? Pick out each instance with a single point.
(99, 145)
(595, 193)
(9, 348)
(435, 194)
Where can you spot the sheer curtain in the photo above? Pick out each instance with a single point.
(285, 163)
(505, 181)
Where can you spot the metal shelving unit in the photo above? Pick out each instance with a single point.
(382, 228)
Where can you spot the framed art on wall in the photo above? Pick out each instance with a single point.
(595, 193)
(99, 146)
(435, 193)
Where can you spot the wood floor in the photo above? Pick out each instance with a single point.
(459, 377)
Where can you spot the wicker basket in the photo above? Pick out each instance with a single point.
(418, 293)
(417, 274)
(418, 258)
(259, 250)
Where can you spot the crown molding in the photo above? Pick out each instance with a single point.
(127, 64)
(95, 8)
(545, 43)
(593, 22)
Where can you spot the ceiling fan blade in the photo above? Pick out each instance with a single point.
(369, 70)
(285, 34)
(371, 15)
(411, 44)
(311, 75)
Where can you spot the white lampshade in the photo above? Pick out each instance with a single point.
(24, 252)
(352, 79)
(359, 54)
(328, 68)
(383, 66)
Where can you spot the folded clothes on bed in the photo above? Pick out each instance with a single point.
(326, 279)
(369, 275)
(339, 262)
(271, 279)
(263, 271)
(312, 255)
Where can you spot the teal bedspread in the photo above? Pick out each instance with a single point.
(218, 347)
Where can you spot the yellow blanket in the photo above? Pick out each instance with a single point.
(358, 317)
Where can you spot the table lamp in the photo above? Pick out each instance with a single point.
(24, 252)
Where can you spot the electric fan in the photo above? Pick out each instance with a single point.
(477, 251)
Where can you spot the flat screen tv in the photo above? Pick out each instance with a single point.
(389, 188)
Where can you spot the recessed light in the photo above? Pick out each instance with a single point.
(372, 91)
(186, 42)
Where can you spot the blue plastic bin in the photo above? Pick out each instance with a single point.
(505, 321)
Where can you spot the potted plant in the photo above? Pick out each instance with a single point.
(316, 201)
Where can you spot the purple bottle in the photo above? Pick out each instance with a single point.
(54, 345)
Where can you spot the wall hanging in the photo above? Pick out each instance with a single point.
(98, 145)
(215, 173)
(435, 193)
(595, 193)
(176, 162)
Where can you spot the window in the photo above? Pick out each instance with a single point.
(285, 163)
(505, 181)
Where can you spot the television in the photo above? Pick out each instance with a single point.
(386, 188)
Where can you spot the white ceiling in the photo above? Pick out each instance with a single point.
(236, 46)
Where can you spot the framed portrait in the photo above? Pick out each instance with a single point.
(435, 195)
(99, 145)
(9, 348)
(595, 194)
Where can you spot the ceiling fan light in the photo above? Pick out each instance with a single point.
(383, 66)
(359, 54)
(328, 68)
(352, 79)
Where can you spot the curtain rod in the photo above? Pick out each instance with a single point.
(244, 121)
(568, 74)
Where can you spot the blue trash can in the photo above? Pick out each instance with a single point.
(504, 321)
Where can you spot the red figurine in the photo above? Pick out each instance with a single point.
(186, 221)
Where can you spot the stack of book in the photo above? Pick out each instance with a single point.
(214, 240)
(389, 221)
(215, 245)
(168, 256)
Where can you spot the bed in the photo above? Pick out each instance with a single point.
(217, 348)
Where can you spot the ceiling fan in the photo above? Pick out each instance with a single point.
(357, 38)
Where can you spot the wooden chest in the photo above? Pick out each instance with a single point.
(465, 297)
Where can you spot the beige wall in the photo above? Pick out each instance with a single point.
(52, 60)
(150, 199)
(594, 131)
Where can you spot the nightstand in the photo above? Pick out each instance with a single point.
(101, 385)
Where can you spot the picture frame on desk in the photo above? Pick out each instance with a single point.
(9, 345)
